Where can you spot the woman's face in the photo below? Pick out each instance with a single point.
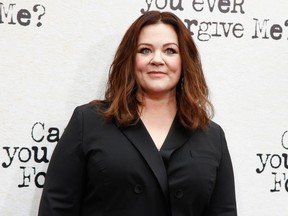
(158, 61)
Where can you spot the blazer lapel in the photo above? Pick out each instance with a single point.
(177, 136)
(140, 138)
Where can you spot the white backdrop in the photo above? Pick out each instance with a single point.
(55, 55)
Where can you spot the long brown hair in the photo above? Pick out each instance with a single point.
(194, 109)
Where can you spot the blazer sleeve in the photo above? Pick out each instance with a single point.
(223, 201)
(64, 182)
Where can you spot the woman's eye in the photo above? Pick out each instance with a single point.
(170, 51)
(144, 51)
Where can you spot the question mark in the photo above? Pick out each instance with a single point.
(35, 9)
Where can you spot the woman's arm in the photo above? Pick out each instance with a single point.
(223, 201)
(65, 176)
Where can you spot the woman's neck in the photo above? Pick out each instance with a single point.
(157, 114)
(165, 105)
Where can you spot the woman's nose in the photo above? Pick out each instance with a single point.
(157, 59)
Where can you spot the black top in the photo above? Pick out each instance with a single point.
(100, 169)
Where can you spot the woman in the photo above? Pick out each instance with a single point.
(149, 148)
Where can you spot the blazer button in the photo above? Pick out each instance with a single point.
(179, 194)
(138, 189)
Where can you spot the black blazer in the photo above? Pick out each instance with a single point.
(100, 169)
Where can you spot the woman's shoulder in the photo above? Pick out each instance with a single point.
(213, 130)
(93, 106)
(90, 116)
(214, 126)
(89, 110)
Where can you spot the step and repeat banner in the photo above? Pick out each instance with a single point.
(55, 55)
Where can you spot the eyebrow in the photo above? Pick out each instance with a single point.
(166, 44)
